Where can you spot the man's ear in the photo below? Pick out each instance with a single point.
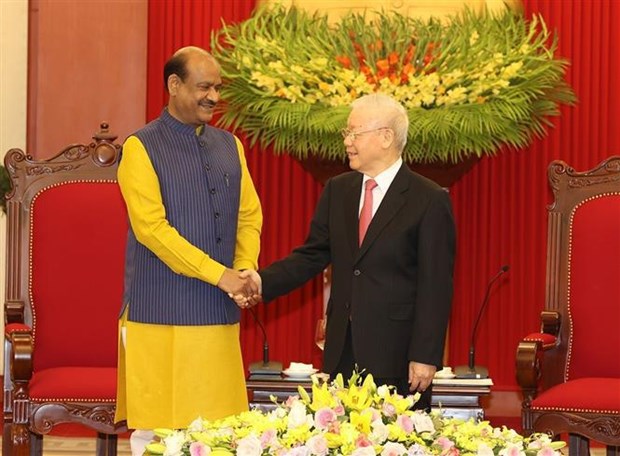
(388, 138)
(173, 84)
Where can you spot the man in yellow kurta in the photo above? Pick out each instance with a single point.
(195, 223)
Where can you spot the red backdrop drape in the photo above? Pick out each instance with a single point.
(500, 206)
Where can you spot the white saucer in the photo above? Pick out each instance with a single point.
(444, 376)
(299, 374)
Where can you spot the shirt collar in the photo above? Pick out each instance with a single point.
(384, 178)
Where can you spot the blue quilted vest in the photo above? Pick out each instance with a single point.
(200, 179)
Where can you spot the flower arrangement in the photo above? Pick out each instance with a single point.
(359, 420)
(470, 85)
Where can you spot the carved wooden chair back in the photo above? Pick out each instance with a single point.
(66, 236)
(570, 370)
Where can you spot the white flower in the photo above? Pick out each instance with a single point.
(174, 444)
(422, 422)
(298, 451)
(393, 449)
(364, 451)
(196, 425)
(416, 450)
(249, 446)
(317, 445)
(512, 450)
(383, 391)
(379, 433)
(297, 415)
(484, 450)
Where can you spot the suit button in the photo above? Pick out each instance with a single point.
(212, 191)
(219, 240)
(357, 272)
(208, 167)
(217, 215)
(202, 143)
(347, 305)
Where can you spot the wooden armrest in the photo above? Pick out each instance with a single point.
(550, 322)
(13, 312)
(20, 354)
(528, 364)
(531, 350)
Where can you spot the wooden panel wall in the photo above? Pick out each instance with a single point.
(87, 64)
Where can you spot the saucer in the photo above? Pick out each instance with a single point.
(299, 374)
(442, 375)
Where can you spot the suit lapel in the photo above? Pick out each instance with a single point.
(392, 202)
(351, 208)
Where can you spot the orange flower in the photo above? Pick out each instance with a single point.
(408, 69)
(393, 58)
(383, 65)
(410, 53)
(344, 60)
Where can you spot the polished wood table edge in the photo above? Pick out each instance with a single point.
(280, 382)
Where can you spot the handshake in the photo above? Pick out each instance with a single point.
(245, 287)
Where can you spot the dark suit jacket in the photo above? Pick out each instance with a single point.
(396, 289)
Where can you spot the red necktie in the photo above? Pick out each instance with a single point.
(366, 214)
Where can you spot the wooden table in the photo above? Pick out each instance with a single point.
(458, 399)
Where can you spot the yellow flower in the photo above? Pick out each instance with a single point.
(220, 452)
(355, 398)
(156, 448)
(473, 38)
(321, 397)
(361, 421)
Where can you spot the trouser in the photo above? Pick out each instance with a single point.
(140, 438)
(347, 364)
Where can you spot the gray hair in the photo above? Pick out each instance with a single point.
(397, 118)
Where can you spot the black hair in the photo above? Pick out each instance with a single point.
(177, 64)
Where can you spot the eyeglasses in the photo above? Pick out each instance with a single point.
(346, 133)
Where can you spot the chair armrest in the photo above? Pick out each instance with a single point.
(13, 312)
(547, 341)
(531, 351)
(18, 350)
(550, 322)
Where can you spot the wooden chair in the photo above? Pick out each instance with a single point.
(570, 370)
(66, 234)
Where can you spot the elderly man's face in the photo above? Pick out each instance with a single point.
(193, 101)
(368, 142)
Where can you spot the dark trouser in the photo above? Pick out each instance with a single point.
(346, 366)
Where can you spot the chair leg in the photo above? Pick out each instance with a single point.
(6, 439)
(578, 445)
(106, 444)
(17, 440)
(613, 450)
(36, 444)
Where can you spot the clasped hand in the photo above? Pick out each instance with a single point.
(244, 287)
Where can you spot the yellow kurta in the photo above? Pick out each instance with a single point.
(197, 371)
(169, 375)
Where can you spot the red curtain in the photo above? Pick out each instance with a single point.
(500, 206)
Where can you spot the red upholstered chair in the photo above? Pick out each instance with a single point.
(570, 370)
(66, 233)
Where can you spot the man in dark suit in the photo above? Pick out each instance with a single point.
(392, 280)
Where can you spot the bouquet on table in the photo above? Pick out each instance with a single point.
(359, 419)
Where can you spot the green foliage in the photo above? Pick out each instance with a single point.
(5, 186)
(470, 85)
